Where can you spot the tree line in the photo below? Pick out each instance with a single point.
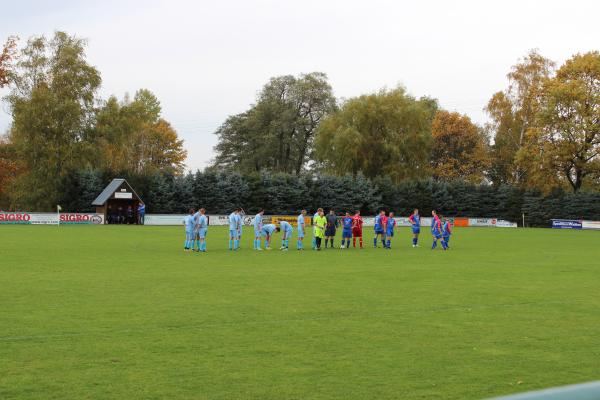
(288, 194)
(544, 131)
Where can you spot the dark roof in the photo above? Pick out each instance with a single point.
(109, 190)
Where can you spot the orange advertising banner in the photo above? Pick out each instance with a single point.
(461, 221)
(293, 220)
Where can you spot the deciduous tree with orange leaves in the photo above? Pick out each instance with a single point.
(512, 112)
(460, 149)
(7, 55)
(564, 146)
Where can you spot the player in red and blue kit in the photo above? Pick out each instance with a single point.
(436, 230)
(415, 222)
(446, 232)
(347, 222)
(389, 232)
(380, 227)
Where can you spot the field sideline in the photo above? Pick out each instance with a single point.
(121, 312)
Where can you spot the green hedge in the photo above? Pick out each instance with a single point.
(220, 192)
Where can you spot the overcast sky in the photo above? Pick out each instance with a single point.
(207, 60)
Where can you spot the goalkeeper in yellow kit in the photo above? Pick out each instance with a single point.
(319, 226)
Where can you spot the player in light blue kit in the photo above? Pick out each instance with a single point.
(234, 228)
(258, 225)
(196, 240)
(287, 230)
(189, 223)
(301, 230)
(202, 224)
(241, 216)
(267, 232)
(389, 234)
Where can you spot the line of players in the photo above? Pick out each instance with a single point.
(324, 227)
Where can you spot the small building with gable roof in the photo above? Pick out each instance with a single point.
(115, 200)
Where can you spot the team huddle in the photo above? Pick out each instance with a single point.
(324, 229)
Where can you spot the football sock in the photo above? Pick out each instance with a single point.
(375, 242)
(383, 243)
(360, 242)
(434, 245)
(230, 244)
(236, 244)
(332, 246)
(389, 243)
(353, 242)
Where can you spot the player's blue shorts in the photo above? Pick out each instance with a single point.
(256, 232)
(379, 232)
(287, 234)
(300, 233)
(446, 239)
(416, 229)
(202, 233)
(390, 234)
(347, 234)
(264, 233)
(233, 233)
(437, 235)
(189, 235)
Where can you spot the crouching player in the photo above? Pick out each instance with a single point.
(446, 232)
(436, 230)
(267, 232)
(258, 225)
(287, 230)
(189, 224)
(202, 230)
(301, 226)
(415, 223)
(389, 232)
(347, 222)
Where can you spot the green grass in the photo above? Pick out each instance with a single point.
(90, 312)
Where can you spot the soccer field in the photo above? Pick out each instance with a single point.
(121, 312)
